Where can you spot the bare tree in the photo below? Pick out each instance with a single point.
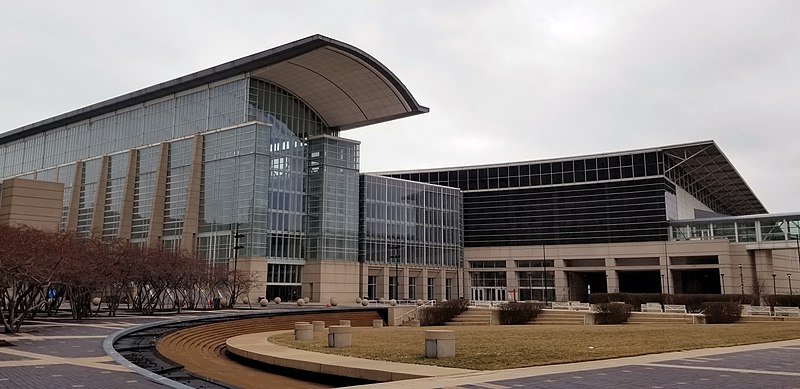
(29, 261)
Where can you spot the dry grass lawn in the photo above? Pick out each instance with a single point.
(503, 347)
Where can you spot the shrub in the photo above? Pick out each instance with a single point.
(442, 312)
(611, 313)
(634, 299)
(693, 302)
(519, 313)
(722, 312)
(782, 300)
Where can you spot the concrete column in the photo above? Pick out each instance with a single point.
(303, 331)
(562, 285)
(126, 213)
(612, 282)
(384, 287)
(98, 213)
(424, 276)
(441, 290)
(440, 344)
(191, 216)
(74, 201)
(340, 336)
(156, 229)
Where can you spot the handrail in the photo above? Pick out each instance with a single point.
(414, 311)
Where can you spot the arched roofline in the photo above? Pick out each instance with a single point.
(245, 65)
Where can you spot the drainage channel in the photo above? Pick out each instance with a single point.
(135, 348)
(139, 348)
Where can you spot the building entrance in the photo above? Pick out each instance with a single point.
(582, 284)
(489, 294)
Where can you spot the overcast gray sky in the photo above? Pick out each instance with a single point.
(505, 80)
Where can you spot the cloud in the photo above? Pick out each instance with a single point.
(505, 80)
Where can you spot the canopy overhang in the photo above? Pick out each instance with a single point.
(347, 87)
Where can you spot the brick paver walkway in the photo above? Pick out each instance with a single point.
(60, 353)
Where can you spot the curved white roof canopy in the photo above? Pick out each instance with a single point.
(347, 87)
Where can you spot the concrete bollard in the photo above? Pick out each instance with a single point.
(344, 323)
(377, 323)
(303, 331)
(340, 336)
(440, 344)
(413, 323)
(319, 325)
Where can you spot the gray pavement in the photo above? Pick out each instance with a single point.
(768, 365)
(60, 353)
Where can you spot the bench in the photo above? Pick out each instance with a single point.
(559, 305)
(787, 311)
(651, 307)
(576, 306)
(674, 308)
(757, 310)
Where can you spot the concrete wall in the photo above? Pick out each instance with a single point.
(757, 266)
(325, 279)
(32, 203)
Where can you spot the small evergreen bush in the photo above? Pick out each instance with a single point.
(612, 313)
(519, 313)
(722, 312)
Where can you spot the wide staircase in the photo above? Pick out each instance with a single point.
(659, 318)
(551, 316)
(472, 317)
(766, 319)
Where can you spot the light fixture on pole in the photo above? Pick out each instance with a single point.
(790, 283)
(396, 257)
(236, 248)
(774, 287)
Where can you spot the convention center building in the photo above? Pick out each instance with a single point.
(243, 165)
(672, 219)
(248, 154)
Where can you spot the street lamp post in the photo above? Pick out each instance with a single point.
(722, 276)
(396, 256)
(236, 248)
(790, 283)
(741, 278)
(662, 282)
(774, 288)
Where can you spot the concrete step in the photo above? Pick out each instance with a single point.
(467, 323)
(659, 318)
(767, 319)
(472, 317)
(558, 317)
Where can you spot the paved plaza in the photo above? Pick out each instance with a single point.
(61, 353)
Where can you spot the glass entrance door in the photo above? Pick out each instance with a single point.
(489, 294)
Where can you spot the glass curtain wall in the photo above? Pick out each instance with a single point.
(179, 159)
(147, 161)
(409, 223)
(115, 187)
(332, 199)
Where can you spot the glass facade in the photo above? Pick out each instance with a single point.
(332, 199)
(115, 186)
(604, 199)
(409, 223)
(739, 229)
